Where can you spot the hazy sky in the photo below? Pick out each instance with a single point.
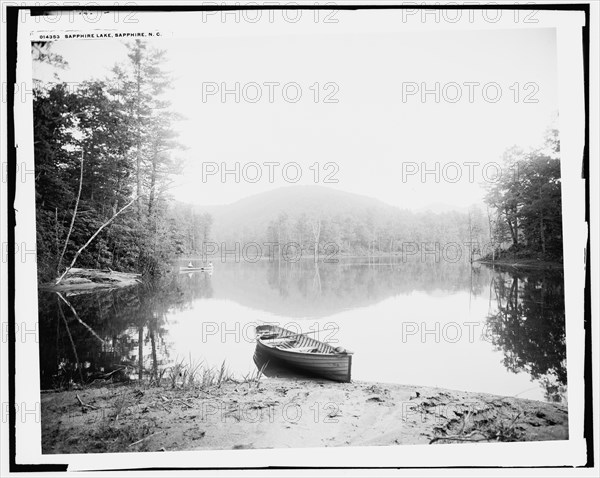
(371, 133)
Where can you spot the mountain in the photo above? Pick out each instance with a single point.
(253, 214)
(441, 208)
(322, 220)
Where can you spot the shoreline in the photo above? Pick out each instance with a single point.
(80, 279)
(284, 413)
(527, 264)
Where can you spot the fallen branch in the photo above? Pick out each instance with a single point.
(80, 321)
(462, 437)
(114, 371)
(455, 438)
(85, 404)
(140, 441)
(62, 314)
(82, 248)
(186, 404)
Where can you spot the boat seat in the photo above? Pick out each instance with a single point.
(303, 349)
(280, 341)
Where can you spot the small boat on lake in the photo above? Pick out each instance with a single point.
(304, 353)
(191, 268)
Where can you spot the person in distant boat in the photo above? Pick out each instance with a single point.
(190, 265)
(210, 264)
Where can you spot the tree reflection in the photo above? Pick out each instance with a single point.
(114, 334)
(528, 325)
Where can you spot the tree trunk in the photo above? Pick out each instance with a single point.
(62, 254)
(82, 248)
(470, 240)
(138, 158)
(542, 235)
(140, 352)
(512, 227)
(152, 186)
(154, 358)
(316, 228)
(492, 237)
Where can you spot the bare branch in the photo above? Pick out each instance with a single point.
(60, 259)
(82, 248)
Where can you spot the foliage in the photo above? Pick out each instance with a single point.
(124, 141)
(379, 231)
(526, 199)
(529, 326)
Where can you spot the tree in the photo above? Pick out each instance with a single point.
(529, 324)
(527, 200)
(99, 150)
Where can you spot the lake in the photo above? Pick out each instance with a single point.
(431, 323)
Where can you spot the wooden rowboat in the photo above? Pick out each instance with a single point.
(195, 269)
(304, 353)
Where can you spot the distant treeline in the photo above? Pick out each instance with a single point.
(521, 218)
(376, 232)
(105, 153)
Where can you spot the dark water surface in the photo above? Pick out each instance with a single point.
(433, 324)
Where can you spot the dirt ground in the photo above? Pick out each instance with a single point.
(282, 413)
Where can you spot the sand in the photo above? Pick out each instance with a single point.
(284, 413)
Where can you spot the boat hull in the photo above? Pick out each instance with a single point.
(333, 366)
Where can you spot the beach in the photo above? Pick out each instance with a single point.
(283, 413)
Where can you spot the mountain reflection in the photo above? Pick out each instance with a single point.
(308, 289)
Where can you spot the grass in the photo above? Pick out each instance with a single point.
(191, 374)
(118, 432)
(132, 435)
(253, 378)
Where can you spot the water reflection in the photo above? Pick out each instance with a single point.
(135, 332)
(528, 325)
(305, 289)
(103, 333)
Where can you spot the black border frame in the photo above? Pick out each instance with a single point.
(12, 22)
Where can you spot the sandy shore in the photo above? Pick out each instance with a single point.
(281, 413)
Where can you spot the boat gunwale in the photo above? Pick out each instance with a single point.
(311, 354)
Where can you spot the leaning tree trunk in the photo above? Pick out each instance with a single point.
(62, 254)
(82, 248)
(140, 353)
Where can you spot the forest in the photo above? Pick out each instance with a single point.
(105, 158)
(526, 203)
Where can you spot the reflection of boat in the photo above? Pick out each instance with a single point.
(303, 353)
